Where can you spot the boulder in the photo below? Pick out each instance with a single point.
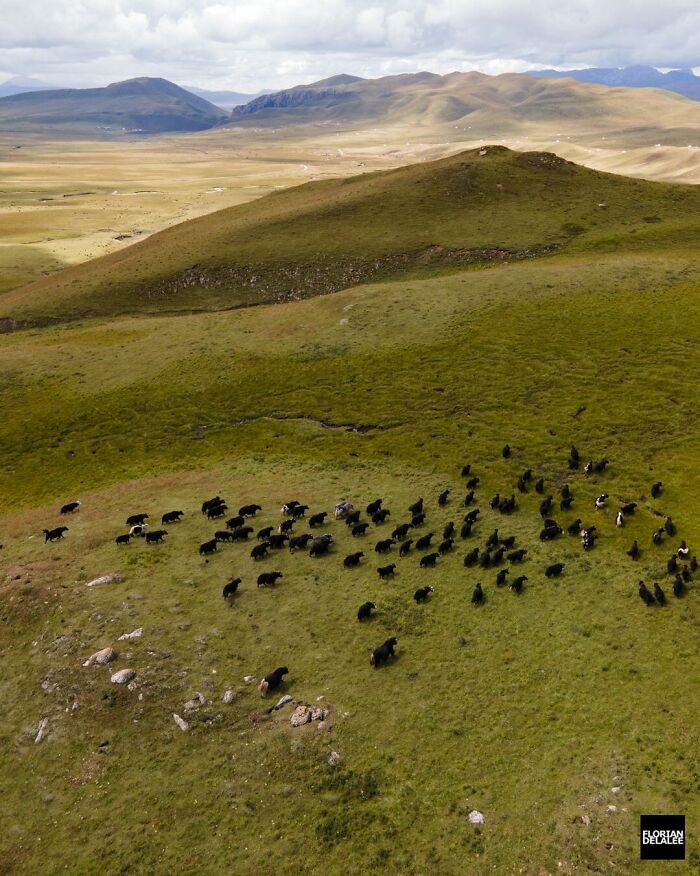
(105, 579)
(197, 700)
(228, 697)
(283, 702)
(476, 817)
(134, 634)
(303, 714)
(102, 657)
(123, 676)
(333, 758)
(40, 730)
(181, 723)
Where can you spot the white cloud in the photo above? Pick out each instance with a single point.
(276, 43)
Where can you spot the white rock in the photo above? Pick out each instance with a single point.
(123, 676)
(134, 634)
(40, 730)
(476, 817)
(105, 579)
(616, 790)
(303, 714)
(102, 657)
(197, 700)
(228, 696)
(300, 715)
(181, 723)
(283, 701)
(249, 679)
(612, 808)
(333, 758)
(585, 819)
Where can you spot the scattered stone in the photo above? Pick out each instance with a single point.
(181, 723)
(249, 679)
(134, 634)
(476, 817)
(612, 808)
(616, 790)
(333, 758)
(583, 819)
(228, 697)
(197, 700)
(40, 730)
(123, 676)
(283, 702)
(102, 657)
(304, 714)
(116, 578)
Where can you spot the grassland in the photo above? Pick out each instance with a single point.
(529, 709)
(477, 207)
(65, 201)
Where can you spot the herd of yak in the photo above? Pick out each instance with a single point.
(496, 551)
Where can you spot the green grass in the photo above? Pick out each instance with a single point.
(329, 235)
(529, 709)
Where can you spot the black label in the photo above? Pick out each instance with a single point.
(662, 837)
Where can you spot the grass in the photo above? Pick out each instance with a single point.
(529, 709)
(471, 208)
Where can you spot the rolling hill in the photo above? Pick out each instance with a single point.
(149, 106)
(683, 82)
(559, 714)
(506, 103)
(482, 206)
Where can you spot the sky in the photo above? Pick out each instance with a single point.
(271, 44)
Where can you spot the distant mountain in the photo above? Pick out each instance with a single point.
(21, 85)
(142, 105)
(683, 82)
(225, 99)
(472, 101)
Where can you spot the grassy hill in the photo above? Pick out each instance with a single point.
(504, 103)
(144, 105)
(482, 206)
(560, 714)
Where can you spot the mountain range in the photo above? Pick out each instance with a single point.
(683, 82)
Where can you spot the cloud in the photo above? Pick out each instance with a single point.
(276, 43)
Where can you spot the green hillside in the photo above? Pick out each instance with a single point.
(560, 714)
(477, 207)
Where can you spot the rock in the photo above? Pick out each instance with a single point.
(476, 817)
(105, 579)
(333, 758)
(134, 634)
(181, 723)
(616, 790)
(283, 702)
(40, 730)
(612, 809)
(228, 697)
(197, 700)
(301, 715)
(102, 657)
(583, 819)
(249, 679)
(123, 676)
